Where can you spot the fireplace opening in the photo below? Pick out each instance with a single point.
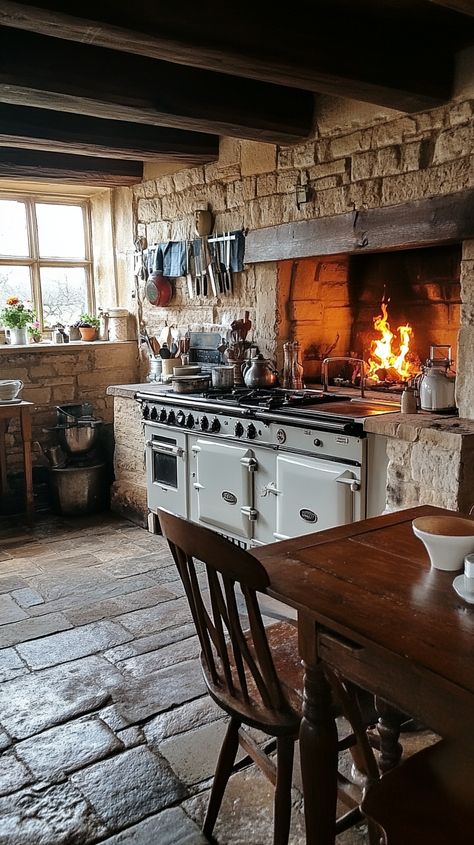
(419, 289)
(335, 301)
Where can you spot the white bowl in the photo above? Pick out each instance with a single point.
(447, 539)
(9, 389)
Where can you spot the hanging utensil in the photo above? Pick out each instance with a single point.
(165, 352)
(208, 263)
(189, 278)
(228, 274)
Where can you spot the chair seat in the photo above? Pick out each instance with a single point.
(428, 799)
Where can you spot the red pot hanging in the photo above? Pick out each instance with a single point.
(158, 290)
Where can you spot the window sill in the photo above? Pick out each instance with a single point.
(72, 346)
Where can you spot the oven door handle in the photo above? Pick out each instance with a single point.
(348, 478)
(163, 449)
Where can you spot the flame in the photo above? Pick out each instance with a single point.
(384, 356)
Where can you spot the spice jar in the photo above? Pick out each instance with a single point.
(408, 403)
(118, 324)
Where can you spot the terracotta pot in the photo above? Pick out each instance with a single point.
(88, 333)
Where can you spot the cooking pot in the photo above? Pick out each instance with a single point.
(190, 384)
(158, 290)
(259, 372)
(223, 376)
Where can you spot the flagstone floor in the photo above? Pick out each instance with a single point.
(106, 732)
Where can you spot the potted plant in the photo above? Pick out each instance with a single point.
(88, 326)
(16, 316)
(34, 332)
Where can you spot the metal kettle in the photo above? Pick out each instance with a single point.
(436, 385)
(259, 372)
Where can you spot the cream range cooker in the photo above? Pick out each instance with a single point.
(262, 465)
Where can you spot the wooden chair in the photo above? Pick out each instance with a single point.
(254, 675)
(428, 799)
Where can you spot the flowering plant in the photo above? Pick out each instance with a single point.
(16, 314)
(35, 331)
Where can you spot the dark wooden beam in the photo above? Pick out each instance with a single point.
(364, 50)
(39, 129)
(420, 223)
(63, 76)
(466, 7)
(68, 169)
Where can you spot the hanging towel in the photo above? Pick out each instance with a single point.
(237, 251)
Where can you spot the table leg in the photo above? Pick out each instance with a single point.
(388, 727)
(27, 460)
(3, 458)
(318, 743)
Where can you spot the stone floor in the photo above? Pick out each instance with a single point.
(106, 732)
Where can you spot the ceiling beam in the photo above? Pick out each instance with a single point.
(70, 169)
(59, 75)
(338, 49)
(39, 129)
(466, 7)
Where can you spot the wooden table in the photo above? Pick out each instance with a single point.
(22, 410)
(369, 604)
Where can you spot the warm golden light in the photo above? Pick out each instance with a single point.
(386, 362)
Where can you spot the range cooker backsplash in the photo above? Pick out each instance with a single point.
(253, 480)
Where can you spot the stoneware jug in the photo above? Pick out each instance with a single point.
(259, 372)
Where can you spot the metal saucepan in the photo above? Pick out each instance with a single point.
(190, 384)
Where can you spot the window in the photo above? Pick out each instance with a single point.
(45, 257)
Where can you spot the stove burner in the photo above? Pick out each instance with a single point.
(268, 398)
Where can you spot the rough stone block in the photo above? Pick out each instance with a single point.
(468, 250)
(11, 665)
(393, 132)
(51, 815)
(171, 827)
(70, 645)
(304, 155)
(285, 158)
(149, 210)
(340, 166)
(13, 774)
(186, 179)
(454, 144)
(257, 158)
(11, 634)
(346, 145)
(266, 185)
(229, 151)
(164, 186)
(68, 747)
(287, 182)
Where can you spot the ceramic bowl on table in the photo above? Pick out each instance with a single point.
(447, 539)
(9, 389)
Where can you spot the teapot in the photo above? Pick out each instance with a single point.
(259, 372)
(436, 385)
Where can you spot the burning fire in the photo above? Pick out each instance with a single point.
(386, 363)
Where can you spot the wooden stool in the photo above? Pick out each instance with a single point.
(8, 412)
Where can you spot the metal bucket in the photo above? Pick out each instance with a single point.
(77, 490)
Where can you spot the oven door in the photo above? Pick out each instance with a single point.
(313, 494)
(166, 470)
(224, 488)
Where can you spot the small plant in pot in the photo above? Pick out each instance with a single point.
(88, 326)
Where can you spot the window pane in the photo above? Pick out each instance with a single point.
(64, 294)
(60, 231)
(14, 281)
(13, 232)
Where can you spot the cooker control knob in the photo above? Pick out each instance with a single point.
(251, 431)
(190, 421)
(180, 418)
(317, 441)
(204, 423)
(215, 425)
(171, 418)
(163, 415)
(153, 413)
(239, 429)
(145, 412)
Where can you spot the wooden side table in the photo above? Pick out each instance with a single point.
(23, 411)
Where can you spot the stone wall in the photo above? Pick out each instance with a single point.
(430, 460)
(356, 158)
(73, 372)
(128, 494)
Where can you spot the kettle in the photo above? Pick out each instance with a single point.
(436, 385)
(259, 372)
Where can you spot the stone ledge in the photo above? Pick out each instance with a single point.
(72, 346)
(128, 391)
(410, 426)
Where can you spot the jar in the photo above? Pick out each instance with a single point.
(408, 404)
(118, 324)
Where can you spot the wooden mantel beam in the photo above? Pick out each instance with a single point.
(425, 222)
(39, 129)
(48, 73)
(360, 51)
(68, 169)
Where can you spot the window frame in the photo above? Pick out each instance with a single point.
(35, 263)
